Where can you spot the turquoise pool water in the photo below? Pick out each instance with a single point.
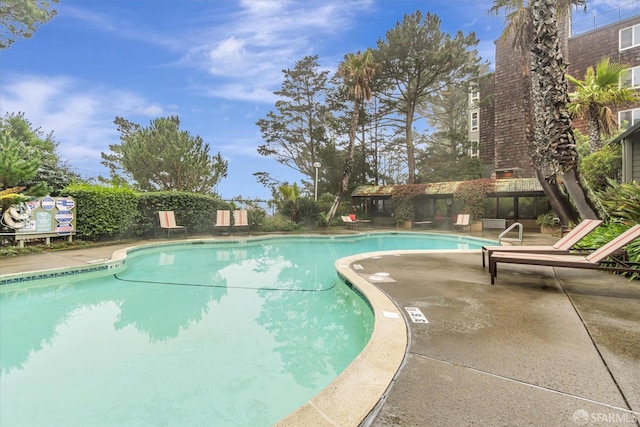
(216, 334)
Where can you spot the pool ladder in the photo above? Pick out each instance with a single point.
(518, 239)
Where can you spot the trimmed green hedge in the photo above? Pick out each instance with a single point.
(105, 213)
(195, 211)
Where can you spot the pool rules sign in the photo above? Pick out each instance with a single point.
(51, 215)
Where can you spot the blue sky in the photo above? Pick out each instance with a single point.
(214, 63)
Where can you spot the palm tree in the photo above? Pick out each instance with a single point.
(519, 17)
(599, 90)
(550, 100)
(290, 194)
(357, 71)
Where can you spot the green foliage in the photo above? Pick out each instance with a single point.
(295, 131)
(18, 162)
(52, 175)
(195, 211)
(103, 212)
(162, 157)
(278, 223)
(256, 217)
(417, 59)
(403, 197)
(473, 193)
(622, 201)
(308, 211)
(21, 18)
(325, 200)
(547, 219)
(601, 166)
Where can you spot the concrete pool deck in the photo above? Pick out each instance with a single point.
(543, 346)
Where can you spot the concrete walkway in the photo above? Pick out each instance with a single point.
(543, 347)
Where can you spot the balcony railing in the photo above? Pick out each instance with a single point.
(597, 21)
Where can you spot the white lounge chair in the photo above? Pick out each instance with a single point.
(563, 245)
(601, 259)
(223, 220)
(240, 219)
(168, 222)
(349, 222)
(462, 220)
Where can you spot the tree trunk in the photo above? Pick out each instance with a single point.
(579, 194)
(558, 201)
(554, 134)
(411, 161)
(595, 141)
(348, 162)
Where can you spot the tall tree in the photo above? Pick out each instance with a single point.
(447, 113)
(550, 106)
(294, 133)
(163, 157)
(358, 71)
(594, 95)
(519, 28)
(417, 59)
(54, 172)
(21, 18)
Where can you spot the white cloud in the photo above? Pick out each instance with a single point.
(249, 48)
(80, 114)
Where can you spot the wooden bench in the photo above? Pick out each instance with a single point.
(21, 237)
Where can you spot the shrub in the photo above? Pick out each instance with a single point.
(606, 163)
(308, 211)
(278, 223)
(547, 218)
(403, 197)
(104, 212)
(622, 201)
(473, 194)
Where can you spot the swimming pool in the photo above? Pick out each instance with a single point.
(158, 341)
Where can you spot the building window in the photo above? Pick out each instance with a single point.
(630, 37)
(628, 118)
(475, 96)
(474, 121)
(630, 78)
(473, 150)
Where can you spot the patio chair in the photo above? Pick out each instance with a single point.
(349, 222)
(223, 220)
(462, 220)
(564, 245)
(240, 219)
(168, 222)
(602, 259)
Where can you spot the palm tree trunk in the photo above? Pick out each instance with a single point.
(348, 163)
(595, 141)
(553, 123)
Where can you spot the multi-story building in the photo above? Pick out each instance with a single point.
(499, 105)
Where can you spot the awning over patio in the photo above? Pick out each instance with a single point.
(512, 185)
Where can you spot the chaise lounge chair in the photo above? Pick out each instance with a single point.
(168, 222)
(349, 222)
(563, 245)
(601, 259)
(223, 220)
(462, 220)
(240, 219)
